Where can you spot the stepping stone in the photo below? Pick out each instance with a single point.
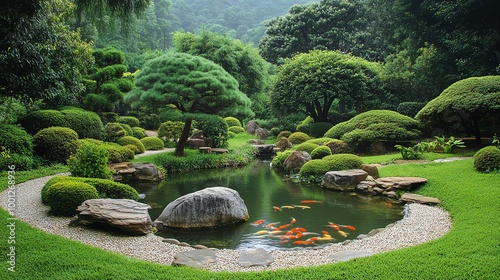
(196, 258)
(349, 255)
(416, 198)
(258, 257)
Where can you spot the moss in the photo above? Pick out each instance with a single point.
(320, 141)
(338, 146)
(298, 137)
(232, 121)
(153, 143)
(320, 152)
(131, 140)
(236, 129)
(318, 167)
(487, 159)
(306, 147)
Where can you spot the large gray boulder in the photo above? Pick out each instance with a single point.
(124, 215)
(207, 208)
(345, 180)
(147, 172)
(400, 183)
(252, 126)
(296, 160)
(262, 133)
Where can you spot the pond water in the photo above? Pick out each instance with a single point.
(263, 188)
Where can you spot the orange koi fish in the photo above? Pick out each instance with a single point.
(312, 239)
(290, 232)
(259, 222)
(349, 227)
(284, 226)
(334, 226)
(271, 225)
(284, 241)
(308, 201)
(298, 229)
(325, 232)
(342, 233)
(302, 242)
(285, 236)
(276, 208)
(299, 235)
(293, 221)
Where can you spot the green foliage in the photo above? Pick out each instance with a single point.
(338, 146)
(320, 152)
(236, 129)
(16, 140)
(116, 153)
(320, 141)
(448, 145)
(55, 144)
(232, 121)
(21, 162)
(128, 129)
(279, 160)
(139, 132)
(410, 109)
(152, 143)
(298, 137)
(64, 197)
(487, 159)
(90, 161)
(131, 140)
(131, 121)
(468, 104)
(318, 129)
(113, 132)
(274, 131)
(213, 127)
(496, 141)
(170, 130)
(318, 167)
(360, 139)
(409, 153)
(306, 147)
(304, 125)
(310, 83)
(284, 133)
(86, 124)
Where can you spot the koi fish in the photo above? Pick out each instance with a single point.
(298, 229)
(302, 242)
(274, 228)
(276, 232)
(287, 207)
(342, 233)
(271, 225)
(312, 239)
(325, 232)
(308, 201)
(334, 226)
(284, 241)
(299, 235)
(290, 232)
(261, 232)
(276, 208)
(293, 221)
(325, 237)
(285, 236)
(301, 206)
(259, 222)
(284, 226)
(310, 233)
(349, 227)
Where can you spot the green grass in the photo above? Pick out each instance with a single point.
(389, 158)
(471, 250)
(23, 176)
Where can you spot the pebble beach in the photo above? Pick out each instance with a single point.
(420, 224)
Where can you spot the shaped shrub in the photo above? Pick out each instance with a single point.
(298, 137)
(284, 133)
(56, 144)
(131, 140)
(139, 132)
(38, 120)
(232, 121)
(64, 197)
(116, 153)
(487, 159)
(128, 129)
(304, 125)
(131, 121)
(90, 161)
(320, 152)
(16, 140)
(153, 143)
(236, 129)
(306, 147)
(320, 141)
(318, 167)
(113, 132)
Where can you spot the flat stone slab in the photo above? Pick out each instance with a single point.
(400, 183)
(344, 180)
(349, 255)
(258, 257)
(416, 198)
(450, 159)
(196, 258)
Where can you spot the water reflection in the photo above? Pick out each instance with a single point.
(263, 188)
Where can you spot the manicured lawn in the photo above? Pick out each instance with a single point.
(471, 250)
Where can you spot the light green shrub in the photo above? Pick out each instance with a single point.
(131, 121)
(318, 167)
(139, 132)
(131, 140)
(284, 133)
(170, 130)
(487, 159)
(320, 152)
(306, 147)
(64, 197)
(298, 137)
(232, 121)
(16, 140)
(279, 159)
(236, 129)
(153, 143)
(90, 161)
(113, 132)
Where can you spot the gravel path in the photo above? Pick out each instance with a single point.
(420, 224)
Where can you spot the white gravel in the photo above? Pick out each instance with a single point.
(420, 224)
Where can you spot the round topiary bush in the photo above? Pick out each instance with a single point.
(318, 167)
(90, 161)
(128, 129)
(306, 147)
(131, 121)
(284, 133)
(139, 132)
(274, 131)
(236, 129)
(320, 152)
(131, 140)
(16, 140)
(56, 144)
(232, 121)
(320, 141)
(64, 197)
(487, 159)
(153, 143)
(338, 146)
(113, 132)
(116, 153)
(298, 137)
(87, 124)
(38, 120)
(279, 159)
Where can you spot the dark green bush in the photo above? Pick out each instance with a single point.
(236, 129)
(113, 132)
(284, 133)
(304, 125)
(90, 161)
(22, 162)
(131, 121)
(338, 146)
(56, 144)
(318, 129)
(306, 147)
(279, 159)
(410, 109)
(131, 140)
(232, 121)
(16, 140)
(360, 139)
(128, 129)
(139, 132)
(170, 130)
(274, 131)
(487, 159)
(298, 137)
(38, 120)
(318, 167)
(320, 152)
(64, 197)
(213, 127)
(153, 143)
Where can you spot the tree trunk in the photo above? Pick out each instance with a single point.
(477, 131)
(179, 149)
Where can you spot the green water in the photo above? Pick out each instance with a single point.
(262, 188)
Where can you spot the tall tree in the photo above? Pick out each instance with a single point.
(310, 83)
(192, 84)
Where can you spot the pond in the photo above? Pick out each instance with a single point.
(264, 190)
